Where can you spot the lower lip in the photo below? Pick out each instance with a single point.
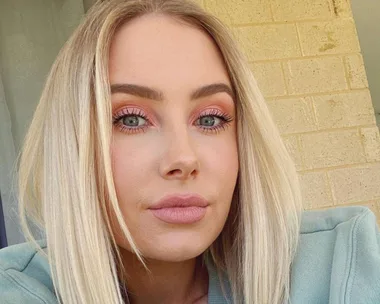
(180, 215)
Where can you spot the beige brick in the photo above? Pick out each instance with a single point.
(327, 149)
(287, 10)
(315, 189)
(341, 8)
(270, 78)
(344, 110)
(315, 75)
(371, 141)
(240, 11)
(352, 185)
(323, 208)
(291, 143)
(335, 36)
(293, 115)
(357, 76)
(272, 41)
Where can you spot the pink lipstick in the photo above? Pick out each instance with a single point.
(180, 208)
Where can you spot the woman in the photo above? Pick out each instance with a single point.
(155, 170)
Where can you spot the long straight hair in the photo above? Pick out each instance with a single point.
(66, 182)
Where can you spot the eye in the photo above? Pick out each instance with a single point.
(209, 120)
(131, 120)
(214, 121)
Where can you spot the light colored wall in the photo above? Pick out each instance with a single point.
(87, 4)
(306, 57)
(366, 14)
(31, 34)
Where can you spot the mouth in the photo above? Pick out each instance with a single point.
(180, 208)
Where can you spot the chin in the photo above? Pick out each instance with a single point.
(174, 256)
(176, 249)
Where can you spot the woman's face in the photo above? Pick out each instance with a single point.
(174, 135)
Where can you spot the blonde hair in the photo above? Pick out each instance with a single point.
(65, 176)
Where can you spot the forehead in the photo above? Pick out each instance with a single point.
(159, 50)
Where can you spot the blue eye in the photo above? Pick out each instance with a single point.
(132, 120)
(210, 120)
(214, 120)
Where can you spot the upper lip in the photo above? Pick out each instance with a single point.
(180, 200)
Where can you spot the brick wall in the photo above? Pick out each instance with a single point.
(306, 57)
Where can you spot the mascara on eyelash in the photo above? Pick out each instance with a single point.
(127, 111)
(223, 116)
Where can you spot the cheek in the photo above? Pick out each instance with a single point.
(120, 161)
(129, 164)
(130, 157)
(221, 158)
(221, 166)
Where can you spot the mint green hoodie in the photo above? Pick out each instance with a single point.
(338, 261)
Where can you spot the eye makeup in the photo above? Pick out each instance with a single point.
(210, 120)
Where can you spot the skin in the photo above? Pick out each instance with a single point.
(172, 151)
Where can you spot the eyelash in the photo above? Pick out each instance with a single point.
(225, 118)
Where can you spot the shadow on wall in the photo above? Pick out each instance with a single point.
(366, 14)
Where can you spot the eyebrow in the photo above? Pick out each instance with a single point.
(153, 94)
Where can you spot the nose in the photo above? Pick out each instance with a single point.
(180, 160)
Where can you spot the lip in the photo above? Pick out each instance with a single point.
(180, 200)
(180, 208)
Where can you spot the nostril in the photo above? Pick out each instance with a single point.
(175, 172)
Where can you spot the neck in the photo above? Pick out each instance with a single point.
(168, 282)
